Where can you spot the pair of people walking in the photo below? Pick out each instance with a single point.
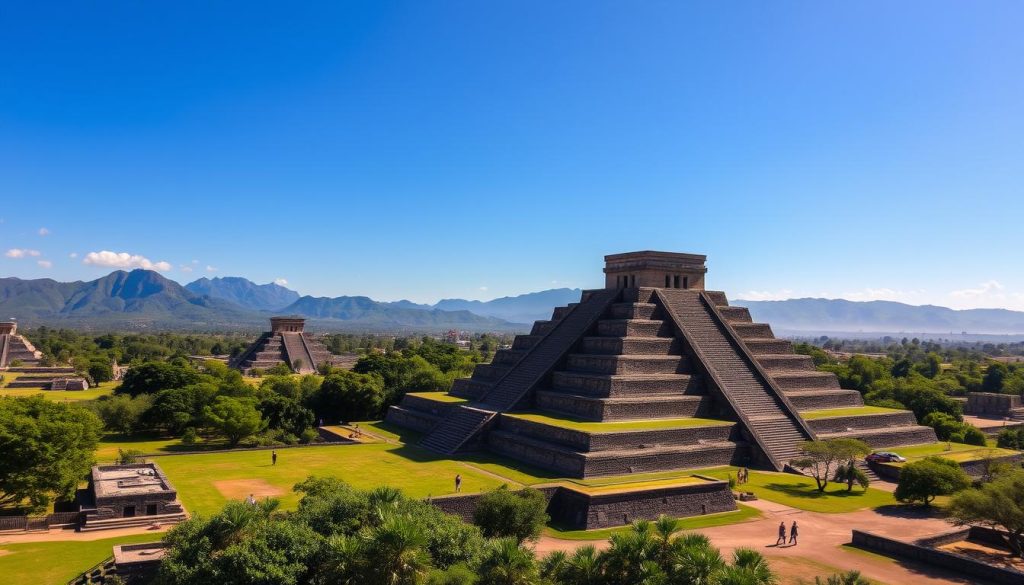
(793, 531)
(743, 475)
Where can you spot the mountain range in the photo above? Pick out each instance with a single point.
(143, 299)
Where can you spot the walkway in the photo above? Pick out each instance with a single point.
(819, 551)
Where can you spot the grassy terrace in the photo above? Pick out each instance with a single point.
(742, 514)
(93, 393)
(32, 563)
(575, 424)
(439, 397)
(958, 452)
(851, 411)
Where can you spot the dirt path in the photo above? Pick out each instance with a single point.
(57, 534)
(819, 550)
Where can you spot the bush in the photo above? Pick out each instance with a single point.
(921, 481)
(347, 396)
(309, 436)
(189, 437)
(128, 456)
(502, 512)
(1011, 439)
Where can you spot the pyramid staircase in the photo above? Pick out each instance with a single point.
(287, 348)
(16, 347)
(638, 380)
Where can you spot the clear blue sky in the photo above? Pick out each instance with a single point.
(477, 149)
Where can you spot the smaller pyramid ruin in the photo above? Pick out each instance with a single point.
(14, 347)
(287, 343)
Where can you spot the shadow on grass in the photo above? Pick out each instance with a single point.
(811, 492)
(910, 511)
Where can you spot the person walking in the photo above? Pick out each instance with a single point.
(273, 457)
(792, 534)
(251, 500)
(458, 483)
(782, 534)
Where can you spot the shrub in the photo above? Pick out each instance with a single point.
(189, 437)
(309, 436)
(921, 481)
(128, 456)
(504, 513)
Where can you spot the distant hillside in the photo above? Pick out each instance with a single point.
(244, 292)
(136, 299)
(143, 299)
(365, 312)
(839, 315)
(524, 308)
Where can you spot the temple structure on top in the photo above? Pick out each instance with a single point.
(651, 373)
(287, 343)
(15, 348)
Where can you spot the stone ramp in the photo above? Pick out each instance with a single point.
(295, 349)
(545, 355)
(458, 428)
(761, 406)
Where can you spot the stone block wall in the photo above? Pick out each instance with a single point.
(937, 558)
(411, 419)
(866, 421)
(584, 441)
(991, 404)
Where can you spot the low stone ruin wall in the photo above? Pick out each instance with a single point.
(924, 553)
(991, 404)
(577, 510)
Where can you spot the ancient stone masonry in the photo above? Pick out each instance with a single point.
(651, 373)
(14, 347)
(287, 343)
(120, 496)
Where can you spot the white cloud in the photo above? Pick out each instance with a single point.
(22, 253)
(281, 281)
(483, 288)
(124, 260)
(992, 287)
(211, 268)
(73, 255)
(44, 232)
(766, 295)
(45, 264)
(185, 268)
(195, 261)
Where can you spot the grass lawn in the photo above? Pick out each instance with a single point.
(93, 393)
(801, 492)
(106, 452)
(32, 563)
(205, 482)
(743, 514)
(851, 411)
(439, 397)
(575, 424)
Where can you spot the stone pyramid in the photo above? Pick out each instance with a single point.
(651, 373)
(287, 343)
(14, 347)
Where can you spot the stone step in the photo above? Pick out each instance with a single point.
(631, 346)
(718, 298)
(490, 372)
(887, 437)
(633, 311)
(627, 364)
(786, 362)
(638, 295)
(542, 328)
(590, 441)
(409, 418)
(618, 386)
(469, 388)
(735, 315)
(92, 525)
(560, 312)
(820, 399)
(507, 357)
(626, 408)
(753, 330)
(633, 328)
(878, 420)
(805, 380)
(764, 346)
(572, 463)
(524, 341)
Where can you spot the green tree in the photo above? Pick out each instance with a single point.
(847, 578)
(995, 376)
(998, 504)
(849, 474)
(507, 563)
(234, 418)
(121, 413)
(921, 481)
(396, 552)
(748, 567)
(47, 448)
(503, 512)
(152, 377)
(347, 396)
(822, 457)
